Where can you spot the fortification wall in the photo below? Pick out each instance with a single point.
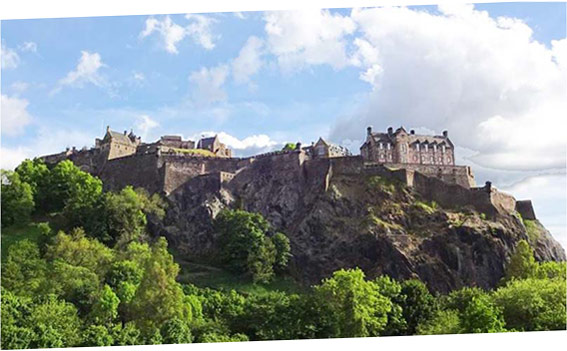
(461, 175)
(485, 199)
(135, 170)
(526, 209)
(178, 169)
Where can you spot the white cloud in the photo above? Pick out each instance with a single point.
(209, 84)
(28, 46)
(548, 195)
(138, 76)
(497, 90)
(200, 30)
(87, 71)
(171, 33)
(9, 57)
(249, 60)
(145, 125)
(309, 37)
(48, 141)
(19, 87)
(14, 115)
(250, 145)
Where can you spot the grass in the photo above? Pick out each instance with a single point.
(532, 230)
(383, 184)
(200, 152)
(15, 233)
(203, 275)
(428, 208)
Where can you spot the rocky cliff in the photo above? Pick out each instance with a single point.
(338, 221)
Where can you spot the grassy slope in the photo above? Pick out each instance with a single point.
(217, 278)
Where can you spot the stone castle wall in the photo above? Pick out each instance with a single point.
(138, 170)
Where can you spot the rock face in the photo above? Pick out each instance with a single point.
(344, 221)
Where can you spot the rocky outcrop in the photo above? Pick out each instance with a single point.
(371, 222)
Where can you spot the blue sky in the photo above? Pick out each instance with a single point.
(492, 74)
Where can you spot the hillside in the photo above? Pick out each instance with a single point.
(343, 221)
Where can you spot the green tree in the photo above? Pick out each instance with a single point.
(159, 297)
(245, 247)
(55, 323)
(289, 147)
(481, 316)
(522, 263)
(16, 334)
(97, 335)
(175, 331)
(123, 217)
(533, 304)
(417, 303)
(78, 250)
(126, 334)
(443, 322)
(24, 272)
(392, 289)
(105, 308)
(283, 251)
(357, 308)
(76, 284)
(17, 199)
(36, 174)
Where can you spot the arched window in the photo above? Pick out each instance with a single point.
(444, 148)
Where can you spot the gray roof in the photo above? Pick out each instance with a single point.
(119, 137)
(413, 138)
(206, 142)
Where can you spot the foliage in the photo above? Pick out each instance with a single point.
(532, 230)
(24, 272)
(443, 322)
(17, 199)
(428, 208)
(97, 335)
(175, 331)
(382, 184)
(283, 251)
(289, 147)
(417, 303)
(123, 217)
(533, 304)
(36, 174)
(355, 305)
(522, 263)
(245, 246)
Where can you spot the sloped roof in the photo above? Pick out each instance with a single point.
(119, 137)
(207, 142)
(413, 138)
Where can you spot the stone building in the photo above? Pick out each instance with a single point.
(401, 147)
(175, 141)
(117, 144)
(214, 145)
(323, 148)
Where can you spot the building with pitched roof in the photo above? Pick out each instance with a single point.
(323, 148)
(214, 145)
(401, 147)
(118, 144)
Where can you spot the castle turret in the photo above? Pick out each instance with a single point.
(445, 133)
(369, 130)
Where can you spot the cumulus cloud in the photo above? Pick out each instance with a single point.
(145, 125)
(9, 57)
(14, 115)
(28, 46)
(171, 33)
(249, 60)
(547, 193)
(86, 72)
(208, 84)
(250, 145)
(496, 89)
(47, 141)
(308, 37)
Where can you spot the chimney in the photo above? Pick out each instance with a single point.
(445, 133)
(108, 128)
(412, 132)
(298, 146)
(125, 132)
(369, 130)
(390, 131)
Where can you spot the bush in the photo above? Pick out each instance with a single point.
(17, 199)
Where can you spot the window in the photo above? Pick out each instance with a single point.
(381, 146)
(444, 148)
(388, 146)
(417, 146)
(426, 147)
(435, 147)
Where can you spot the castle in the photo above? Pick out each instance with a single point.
(423, 162)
